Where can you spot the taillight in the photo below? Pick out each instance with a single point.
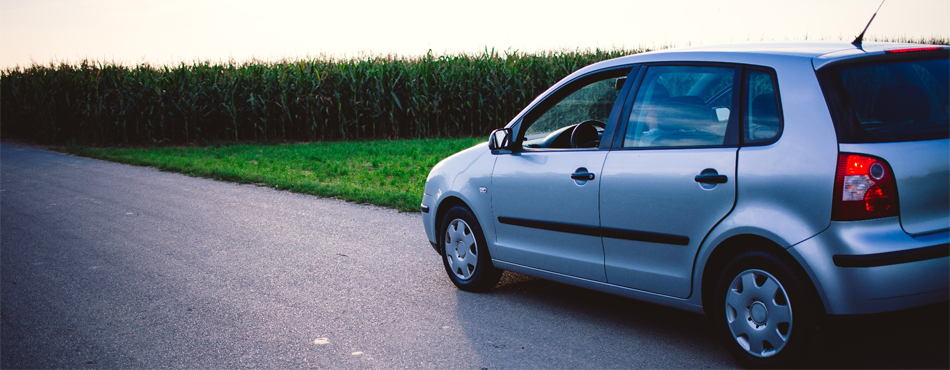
(864, 189)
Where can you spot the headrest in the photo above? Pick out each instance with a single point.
(684, 113)
(659, 93)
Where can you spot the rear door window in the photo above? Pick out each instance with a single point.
(681, 107)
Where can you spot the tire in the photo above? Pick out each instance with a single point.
(765, 310)
(465, 253)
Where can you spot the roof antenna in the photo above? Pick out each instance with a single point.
(857, 40)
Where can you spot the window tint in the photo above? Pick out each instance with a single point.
(898, 100)
(762, 121)
(681, 106)
(590, 102)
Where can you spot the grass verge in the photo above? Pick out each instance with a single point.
(384, 173)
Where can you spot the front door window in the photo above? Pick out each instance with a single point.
(575, 117)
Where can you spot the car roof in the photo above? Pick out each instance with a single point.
(805, 49)
(814, 53)
(819, 53)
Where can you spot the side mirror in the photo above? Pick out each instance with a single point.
(500, 141)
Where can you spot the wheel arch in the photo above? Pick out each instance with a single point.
(442, 208)
(733, 246)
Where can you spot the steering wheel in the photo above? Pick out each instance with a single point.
(585, 134)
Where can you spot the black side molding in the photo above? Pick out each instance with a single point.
(642, 236)
(645, 236)
(891, 258)
(552, 226)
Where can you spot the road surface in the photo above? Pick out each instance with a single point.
(112, 266)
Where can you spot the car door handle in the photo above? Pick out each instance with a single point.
(711, 178)
(582, 175)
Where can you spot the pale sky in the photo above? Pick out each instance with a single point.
(173, 31)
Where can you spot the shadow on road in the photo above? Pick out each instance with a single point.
(911, 339)
(636, 334)
(526, 322)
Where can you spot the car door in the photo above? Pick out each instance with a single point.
(671, 178)
(545, 195)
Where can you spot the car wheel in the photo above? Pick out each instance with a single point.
(465, 253)
(764, 310)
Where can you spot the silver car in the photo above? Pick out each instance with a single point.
(767, 186)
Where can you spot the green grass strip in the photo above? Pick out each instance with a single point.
(384, 173)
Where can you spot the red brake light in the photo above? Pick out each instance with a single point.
(912, 50)
(864, 189)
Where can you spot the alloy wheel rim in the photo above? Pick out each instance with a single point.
(461, 249)
(758, 313)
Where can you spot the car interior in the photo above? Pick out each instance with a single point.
(578, 120)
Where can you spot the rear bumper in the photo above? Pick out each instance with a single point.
(866, 267)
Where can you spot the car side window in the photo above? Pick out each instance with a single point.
(681, 106)
(588, 102)
(762, 120)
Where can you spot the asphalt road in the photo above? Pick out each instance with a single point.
(104, 265)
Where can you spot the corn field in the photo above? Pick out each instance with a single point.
(310, 100)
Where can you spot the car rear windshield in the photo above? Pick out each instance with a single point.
(889, 101)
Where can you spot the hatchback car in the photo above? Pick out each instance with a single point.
(767, 186)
